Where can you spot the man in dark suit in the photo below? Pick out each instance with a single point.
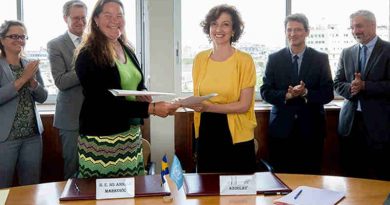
(297, 82)
(70, 97)
(363, 79)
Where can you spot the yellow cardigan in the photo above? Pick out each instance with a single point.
(242, 125)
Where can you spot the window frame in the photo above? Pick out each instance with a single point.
(140, 40)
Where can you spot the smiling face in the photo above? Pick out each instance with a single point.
(362, 29)
(14, 46)
(111, 21)
(296, 34)
(76, 20)
(221, 30)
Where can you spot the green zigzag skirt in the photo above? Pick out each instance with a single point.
(118, 155)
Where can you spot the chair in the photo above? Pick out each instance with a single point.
(262, 165)
(149, 166)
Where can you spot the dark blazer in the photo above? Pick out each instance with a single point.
(307, 114)
(374, 100)
(102, 113)
(69, 97)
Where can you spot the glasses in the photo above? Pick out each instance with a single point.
(17, 37)
(295, 30)
(78, 18)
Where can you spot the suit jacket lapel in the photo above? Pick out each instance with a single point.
(289, 63)
(355, 59)
(68, 42)
(373, 57)
(305, 65)
(7, 70)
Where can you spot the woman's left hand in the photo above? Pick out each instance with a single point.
(200, 107)
(144, 98)
(33, 83)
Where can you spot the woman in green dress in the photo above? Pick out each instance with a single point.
(110, 135)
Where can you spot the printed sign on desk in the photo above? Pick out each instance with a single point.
(115, 188)
(237, 185)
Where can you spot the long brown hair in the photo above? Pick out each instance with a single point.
(101, 49)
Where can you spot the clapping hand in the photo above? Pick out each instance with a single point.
(357, 84)
(28, 76)
(298, 90)
(30, 70)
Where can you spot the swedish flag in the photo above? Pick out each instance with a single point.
(164, 168)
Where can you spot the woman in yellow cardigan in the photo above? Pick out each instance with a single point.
(224, 125)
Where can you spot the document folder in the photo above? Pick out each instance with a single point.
(79, 189)
(201, 184)
(269, 183)
(208, 184)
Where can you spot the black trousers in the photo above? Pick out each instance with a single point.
(296, 154)
(216, 152)
(360, 157)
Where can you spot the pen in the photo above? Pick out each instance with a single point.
(297, 195)
(76, 187)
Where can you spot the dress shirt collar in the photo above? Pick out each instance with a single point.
(74, 38)
(300, 55)
(370, 45)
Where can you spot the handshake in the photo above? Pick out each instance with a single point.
(164, 109)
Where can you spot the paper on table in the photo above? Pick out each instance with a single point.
(310, 196)
(117, 92)
(194, 99)
(3, 196)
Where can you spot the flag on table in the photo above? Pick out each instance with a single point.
(164, 168)
(176, 172)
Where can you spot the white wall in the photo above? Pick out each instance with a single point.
(161, 64)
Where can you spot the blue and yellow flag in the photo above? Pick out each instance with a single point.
(164, 168)
(177, 172)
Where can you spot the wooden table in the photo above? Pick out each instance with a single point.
(358, 192)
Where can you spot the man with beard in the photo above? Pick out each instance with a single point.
(363, 79)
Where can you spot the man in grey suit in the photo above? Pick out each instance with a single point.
(363, 79)
(70, 97)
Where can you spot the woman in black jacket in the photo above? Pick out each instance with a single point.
(110, 135)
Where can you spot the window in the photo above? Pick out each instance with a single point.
(7, 10)
(263, 33)
(332, 23)
(264, 29)
(44, 26)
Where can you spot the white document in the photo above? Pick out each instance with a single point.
(3, 196)
(192, 100)
(117, 92)
(115, 188)
(304, 195)
(237, 185)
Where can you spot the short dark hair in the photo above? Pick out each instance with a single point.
(4, 28)
(301, 18)
(72, 3)
(215, 13)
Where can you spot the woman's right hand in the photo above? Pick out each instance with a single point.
(163, 109)
(27, 75)
(30, 70)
